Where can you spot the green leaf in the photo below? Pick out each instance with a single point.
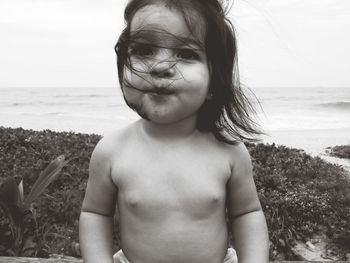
(45, 178)
(21, 194)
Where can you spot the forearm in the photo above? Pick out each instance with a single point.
(96, 237)
(250, 237)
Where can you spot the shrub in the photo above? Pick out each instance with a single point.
(340, 151)
(300, 194)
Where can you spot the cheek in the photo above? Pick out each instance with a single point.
(136, 78)
(131, 95)
(202, 79)
(129, 77)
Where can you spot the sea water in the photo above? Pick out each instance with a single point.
(304, 108)
(85, 110)
(307, 118)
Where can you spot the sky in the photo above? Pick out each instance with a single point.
(69, 43)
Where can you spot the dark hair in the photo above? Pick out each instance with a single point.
(228, 113)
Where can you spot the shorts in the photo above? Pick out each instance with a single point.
(230, 257)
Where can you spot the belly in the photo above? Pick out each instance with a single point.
(175, 239)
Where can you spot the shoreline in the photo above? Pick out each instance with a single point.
(312, 141)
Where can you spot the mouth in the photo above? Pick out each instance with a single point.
(161, 91)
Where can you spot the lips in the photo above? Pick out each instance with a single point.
(161, 91)
(154, 90)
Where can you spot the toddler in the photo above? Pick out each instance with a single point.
(180, 176)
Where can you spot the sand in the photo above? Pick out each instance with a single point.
(313, 142)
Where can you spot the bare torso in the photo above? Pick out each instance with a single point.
(171, 199)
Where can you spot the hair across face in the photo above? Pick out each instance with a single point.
(155, 29)
(227, 113)
(166, 77)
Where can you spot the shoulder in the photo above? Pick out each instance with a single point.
(239, 158)
(239, 152)
(236, 155)
(111, 145)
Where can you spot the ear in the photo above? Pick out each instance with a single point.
(210, 94)
(210, 68)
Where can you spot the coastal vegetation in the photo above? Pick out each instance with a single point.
(301, 195)
(340, 151)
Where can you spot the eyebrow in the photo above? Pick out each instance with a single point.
(192, 43)
(163, 39)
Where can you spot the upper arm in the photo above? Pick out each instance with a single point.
(242, 196)
(101, 192)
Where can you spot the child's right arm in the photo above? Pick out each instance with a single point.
(96, 218)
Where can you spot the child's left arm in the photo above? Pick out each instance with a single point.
(247, 220)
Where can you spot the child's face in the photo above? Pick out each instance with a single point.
(169, 80)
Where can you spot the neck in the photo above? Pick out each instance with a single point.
(173, 131)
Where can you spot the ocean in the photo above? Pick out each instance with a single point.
(308, 118)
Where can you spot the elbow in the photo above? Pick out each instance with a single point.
(90, 207)
(251, 211)
(85, 210)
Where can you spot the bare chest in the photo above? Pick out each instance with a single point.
(184, 182)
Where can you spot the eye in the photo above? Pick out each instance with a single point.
(141, 50)
(187, 54)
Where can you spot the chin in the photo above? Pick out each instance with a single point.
(159, 120)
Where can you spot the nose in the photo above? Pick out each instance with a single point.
(164, 67)
(162, 71)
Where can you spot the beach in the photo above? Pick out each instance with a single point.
(314, 142)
